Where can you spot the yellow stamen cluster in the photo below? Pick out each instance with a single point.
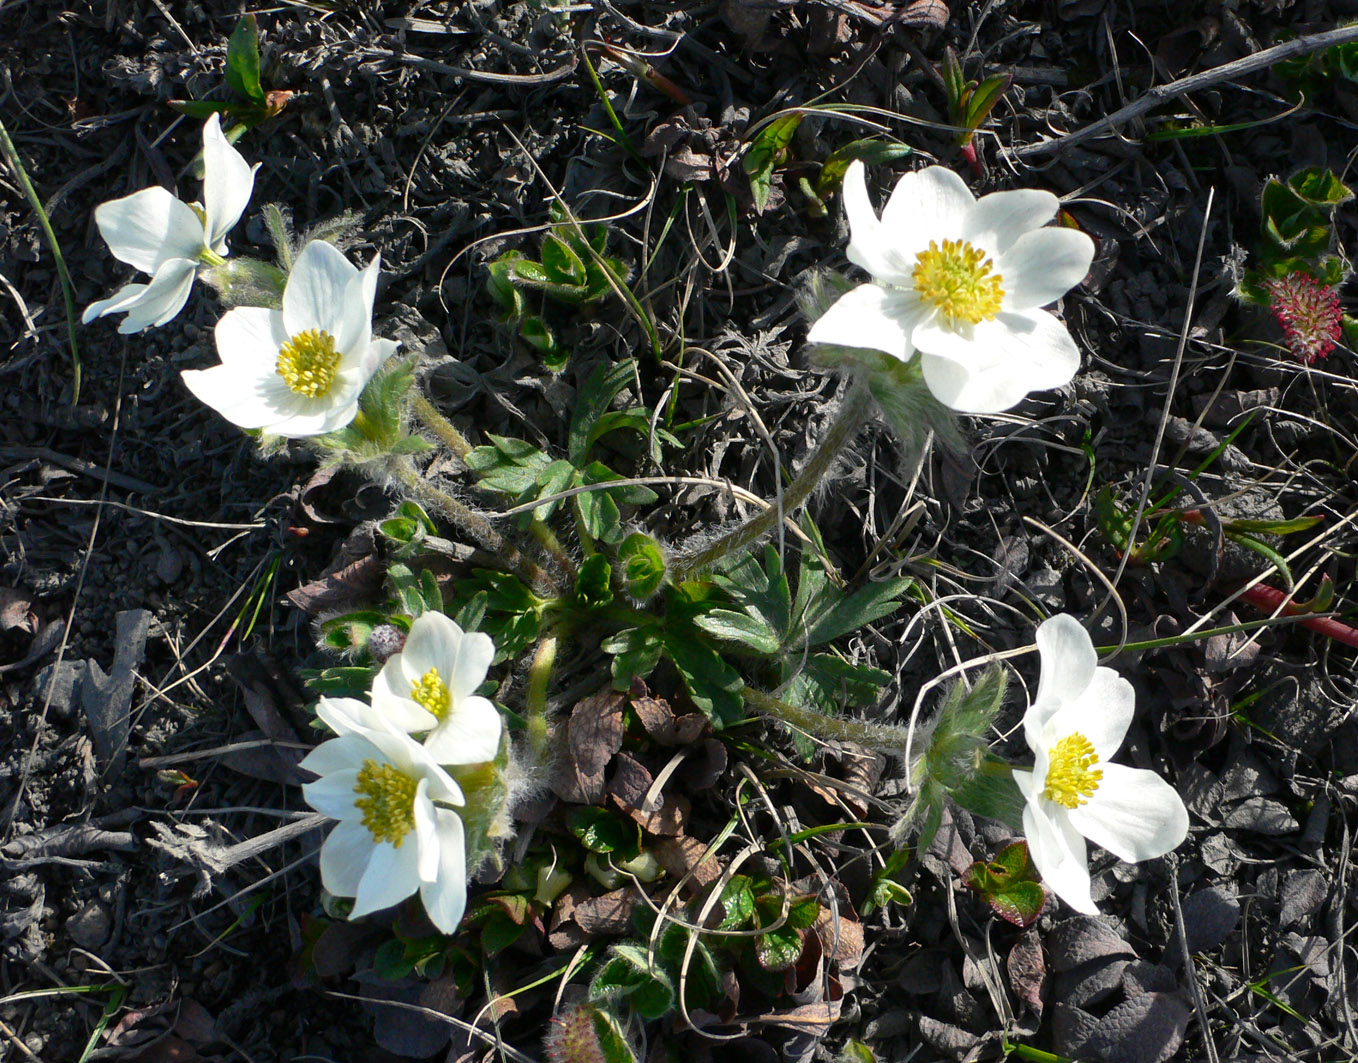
(387, 801)
(432, 692)
(1071, 776)
(959, 280)
(307, 363)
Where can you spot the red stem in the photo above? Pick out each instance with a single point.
(1271, 600)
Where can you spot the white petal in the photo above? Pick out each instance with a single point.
(1102, 714)
(248, 339)
(1134, 814)
(1059, 854)
(1002, 361)
(333, 794)
(470, 734)
(879, 319)
(149, 227)
(317, 289)
(228, 181)
(355, 327)
(163, 298)
(426, 834)
(378, 353)
(126, 297)
(245, 401)
(402, 713)
(997, 220)
(346, 715)
(344, 858)
(470, 663)
(339, 754)
(445, 899)
(870, 245)
(390, 877)
(433, 642)
(1068, 660)
(928, 204)
(313, 419)
(1042, 266)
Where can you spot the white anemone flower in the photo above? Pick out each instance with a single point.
(431, 686)
(961, 281)
(1077, 723)
(158, 234)
(396, 833)
(298, 371)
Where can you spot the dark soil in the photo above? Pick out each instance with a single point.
(148, 550)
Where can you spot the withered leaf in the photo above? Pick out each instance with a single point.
(1083, 938)
(1028, 971)
(680, 855)
(841, 939)
(356, 584)
(667, 821)
(593, 735)
(609, 914)
(16, 611)
(1145, 1029)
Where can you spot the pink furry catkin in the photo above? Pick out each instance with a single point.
(1309, 313)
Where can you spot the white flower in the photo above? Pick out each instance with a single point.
(394, 835)
(431, 686)
(170, 239)
(1078, 721)
(960, 280)
(299, 371)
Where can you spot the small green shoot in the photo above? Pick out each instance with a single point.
(1009, 884)
(254, 103)
(970, 102)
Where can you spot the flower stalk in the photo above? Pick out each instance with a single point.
(480, 529)
(878, 736)
(853, 412)
(535, 699)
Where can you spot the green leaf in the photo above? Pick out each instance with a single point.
(827, 682)
(983, 100)
(643, 565)
(871, 152)
(857, 1052)
(768, 150)
(954, 82)
(595, 397)
(1009, 884)
(500, 284)
(803, 912)
(713, 684)
(390, 960)
(509, 465)
(992, 792)
(592, 589)
(562, 264)
(740, 627)
(636, 651)
(778, 949)
(629, 973)
(499, 932)
(762, 592)
(1272, 527)
(242, 60)
(829, 620)
(600, 831)
(885, 889)
(737, 901)
(1272, 556)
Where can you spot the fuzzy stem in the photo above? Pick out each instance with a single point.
(457, 443)
(852, 413)
(535, 700)
(879, 736)
(480, 530)
(441, 426)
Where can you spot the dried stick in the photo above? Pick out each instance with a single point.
(1152, 98)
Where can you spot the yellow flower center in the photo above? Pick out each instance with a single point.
(1071, 775)
(387, 800)
(959, 280)
(432, 692)
(307, 363)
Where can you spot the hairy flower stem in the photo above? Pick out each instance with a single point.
(879, 736)
(853, 412)
(441, 426)
(535, 700)
(480, 530)
(456, 442)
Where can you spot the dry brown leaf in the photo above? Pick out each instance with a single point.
(680, 855)
(594, 735)
(609, 914)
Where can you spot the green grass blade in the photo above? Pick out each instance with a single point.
(67, 292)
